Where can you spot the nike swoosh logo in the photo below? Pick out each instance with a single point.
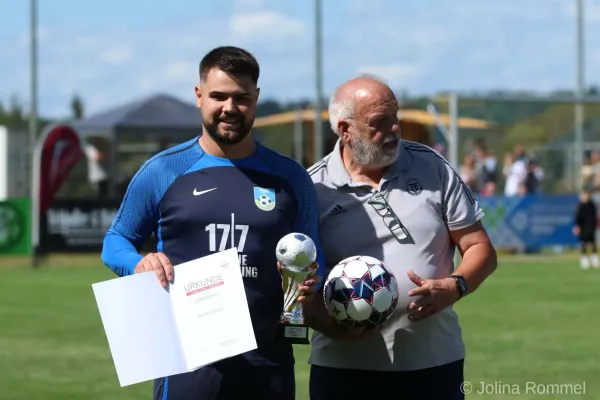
(197, 193)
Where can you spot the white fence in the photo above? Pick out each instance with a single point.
(14, 165)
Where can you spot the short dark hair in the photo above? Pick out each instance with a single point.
(232, 60)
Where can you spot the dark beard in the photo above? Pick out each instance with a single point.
(213, 131)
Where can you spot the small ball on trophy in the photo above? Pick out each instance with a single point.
(296, 252)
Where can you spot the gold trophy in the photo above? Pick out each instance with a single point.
(296, 253)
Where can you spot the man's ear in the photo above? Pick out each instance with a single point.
(198, 92)
(257, 94)
(344, 130)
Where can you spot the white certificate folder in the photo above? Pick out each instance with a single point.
(201, 318)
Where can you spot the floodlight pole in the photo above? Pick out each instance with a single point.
(453, 137)
(453, 146)
(318, 142)
(580, 93)
(33, 130)
(33, 73)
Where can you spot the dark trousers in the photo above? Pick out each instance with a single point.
(587, 239)
(230, 379)
(437, 383)
(586, 245)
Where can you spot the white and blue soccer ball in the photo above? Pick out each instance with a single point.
(360, 291)
(296, 251)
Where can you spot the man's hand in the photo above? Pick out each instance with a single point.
(437, 294)
(308, 287)
(160, 264)
(576, 230)
(479, 261)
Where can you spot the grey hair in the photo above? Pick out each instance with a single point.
(344, 109)
(339, 110)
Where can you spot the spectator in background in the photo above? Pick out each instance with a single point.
(520, 153)
(97, 175)
(587, 172)
(468, 173)
(586, 217)
(487, 169)
(515, 171)
(531, 183)
(595, 170)
(538, 171)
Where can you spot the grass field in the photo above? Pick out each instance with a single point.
(535, 320)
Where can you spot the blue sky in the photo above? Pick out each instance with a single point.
(111, 52)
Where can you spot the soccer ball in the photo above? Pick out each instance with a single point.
(360, 291)
(296, 251)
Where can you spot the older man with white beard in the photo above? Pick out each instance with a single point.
(402, 203)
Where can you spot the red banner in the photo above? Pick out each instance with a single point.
(61, 151)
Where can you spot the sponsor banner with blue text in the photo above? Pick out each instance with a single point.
(532, 221)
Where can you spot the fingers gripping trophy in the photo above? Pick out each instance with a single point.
(296, 253)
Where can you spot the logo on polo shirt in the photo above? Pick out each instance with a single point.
(414, 187)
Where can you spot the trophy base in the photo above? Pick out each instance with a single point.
(294, 334)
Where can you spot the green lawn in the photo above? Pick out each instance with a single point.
(533, 322)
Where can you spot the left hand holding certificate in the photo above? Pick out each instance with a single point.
(160, 264)
(200, 318)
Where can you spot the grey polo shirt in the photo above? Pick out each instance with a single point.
(429, 198)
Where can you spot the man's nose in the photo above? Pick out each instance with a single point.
(230, 105)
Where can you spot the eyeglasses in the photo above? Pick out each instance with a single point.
(391, 220)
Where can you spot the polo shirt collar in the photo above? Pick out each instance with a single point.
(339, 176)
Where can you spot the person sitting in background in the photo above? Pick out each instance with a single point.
(586, 216)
